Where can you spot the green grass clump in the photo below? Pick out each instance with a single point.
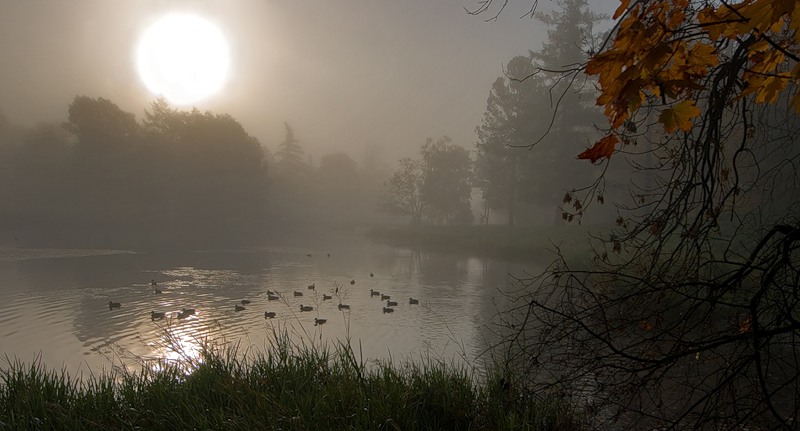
(285, 388)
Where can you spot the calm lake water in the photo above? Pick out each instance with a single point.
(55, 301)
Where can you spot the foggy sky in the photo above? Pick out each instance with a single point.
(344, 74)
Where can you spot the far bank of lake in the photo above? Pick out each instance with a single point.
(514, 243)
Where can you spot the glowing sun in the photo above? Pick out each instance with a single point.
(183, 58)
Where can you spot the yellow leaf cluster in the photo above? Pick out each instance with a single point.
(748, 16)
(646, 58)
(679, 116)
(773, 27)
(665, 49)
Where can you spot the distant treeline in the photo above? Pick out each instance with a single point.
(175, 179)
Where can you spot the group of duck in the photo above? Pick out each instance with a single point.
(274, 296)
(389, 303)
(157, 315)
(271, 314)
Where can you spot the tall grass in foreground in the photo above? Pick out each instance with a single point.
(287, 388)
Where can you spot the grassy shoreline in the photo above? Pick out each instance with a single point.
(286, 388)
(499, 241)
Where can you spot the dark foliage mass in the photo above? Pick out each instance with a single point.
(175, 179)
(436, 188)
(103, 179)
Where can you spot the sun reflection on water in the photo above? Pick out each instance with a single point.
(181, 343)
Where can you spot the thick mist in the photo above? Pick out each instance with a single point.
(348, 76)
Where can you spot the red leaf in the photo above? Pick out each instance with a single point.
(602, 148)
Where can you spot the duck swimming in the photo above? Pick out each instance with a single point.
(113, 305)
(391, 303)
(306, 308)
(318, 321)
(238, 307)
(269, 314)
(413, 301)
(388, 310)
(344, 307)
(160, 315)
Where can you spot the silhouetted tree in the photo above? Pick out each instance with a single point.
(210, 179)
(104, 163)
(290, 156)
(514, 117)
(404, 190)
(539, 107)
(178, 179)
(446, 182)
(291, 185)
(573, 115)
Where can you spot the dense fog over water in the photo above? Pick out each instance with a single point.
(332, 120)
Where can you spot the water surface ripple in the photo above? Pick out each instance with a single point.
(56, 304)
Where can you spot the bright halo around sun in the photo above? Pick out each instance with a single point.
(183, 58)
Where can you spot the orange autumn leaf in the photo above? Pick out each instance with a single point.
(647, 325)
(711, 22)
(666, 50)
(702, 56)
(608, 65)
(745, 325)
(623, 6)
(769, 92)
(763, 14)
(796, 102)
(655, 59)
(602, 148)
(766, 62)
(679, 116)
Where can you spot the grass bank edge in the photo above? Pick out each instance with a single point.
(286, 387)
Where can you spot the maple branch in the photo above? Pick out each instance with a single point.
(761, 34)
